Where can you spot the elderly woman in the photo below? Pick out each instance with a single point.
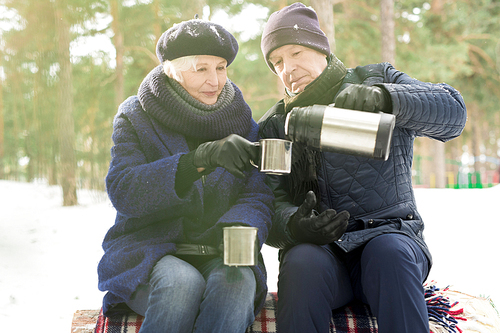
(180, 172)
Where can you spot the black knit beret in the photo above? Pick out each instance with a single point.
(294, 24)
(196, 37)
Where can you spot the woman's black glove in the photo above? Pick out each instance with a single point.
(232, 153)
(364, 98)
(323, 229)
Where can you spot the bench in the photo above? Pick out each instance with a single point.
(449, 311)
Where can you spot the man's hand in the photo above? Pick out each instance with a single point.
(364, 98)
(323, 229)
(232, 153)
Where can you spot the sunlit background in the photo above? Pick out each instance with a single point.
(66, 65)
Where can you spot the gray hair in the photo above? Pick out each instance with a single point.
(173, 68)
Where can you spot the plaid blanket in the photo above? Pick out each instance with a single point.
(444, 316)
(355, 317)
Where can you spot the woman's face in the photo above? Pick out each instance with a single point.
(205, 83)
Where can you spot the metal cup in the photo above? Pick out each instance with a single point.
(240, 246)
(275, 156)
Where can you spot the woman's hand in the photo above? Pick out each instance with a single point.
(232, 153)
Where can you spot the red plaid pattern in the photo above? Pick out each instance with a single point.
(265, 321)
(128, 323)
(355, 317)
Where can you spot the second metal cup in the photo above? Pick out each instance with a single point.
(240, 246)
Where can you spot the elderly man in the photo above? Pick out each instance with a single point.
(373, 250)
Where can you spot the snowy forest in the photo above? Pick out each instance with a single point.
(66, 65)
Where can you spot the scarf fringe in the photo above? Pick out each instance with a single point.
(455, 312)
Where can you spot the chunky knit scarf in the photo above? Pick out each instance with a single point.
(169, 103)
(321, 91)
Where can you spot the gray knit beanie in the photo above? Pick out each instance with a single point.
(294, 24)
(196, 37)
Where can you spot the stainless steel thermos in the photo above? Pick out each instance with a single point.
(328, 128)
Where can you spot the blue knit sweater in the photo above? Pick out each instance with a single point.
(151, 217)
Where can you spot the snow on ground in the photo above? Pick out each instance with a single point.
(49, 253)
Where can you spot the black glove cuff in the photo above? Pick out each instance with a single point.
(198, 158)
(387, 99)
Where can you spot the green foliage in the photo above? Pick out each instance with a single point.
(458, 46)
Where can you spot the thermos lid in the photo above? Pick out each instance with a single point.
(303, 124)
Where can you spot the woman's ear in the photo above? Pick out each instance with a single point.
(168, 70)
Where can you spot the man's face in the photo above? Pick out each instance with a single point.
(297, 65)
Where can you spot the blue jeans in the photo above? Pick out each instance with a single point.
(183, 298)
(387, 274)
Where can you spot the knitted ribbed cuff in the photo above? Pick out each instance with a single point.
(186, 173)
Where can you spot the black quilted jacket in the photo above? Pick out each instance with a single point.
(377, 194)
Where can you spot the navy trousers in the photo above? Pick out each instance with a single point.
(387, 274)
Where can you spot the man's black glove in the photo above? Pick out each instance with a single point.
(364, 98)
(323, 229)
(232, 153)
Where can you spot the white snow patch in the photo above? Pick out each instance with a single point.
(49, 253)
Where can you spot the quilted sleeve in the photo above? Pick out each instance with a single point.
(433, 110)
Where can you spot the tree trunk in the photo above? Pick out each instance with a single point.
(18, 110)
(439, 153)
(195, 7)
(387, 31)
(157, 22)
(427, 175)
(2, 129)
(440, 163)
(324, 9)
(52, 171)
(66, 122)
(120, 49)
(477, 132)
(37, 116)
(476, 141)
(437, 7)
